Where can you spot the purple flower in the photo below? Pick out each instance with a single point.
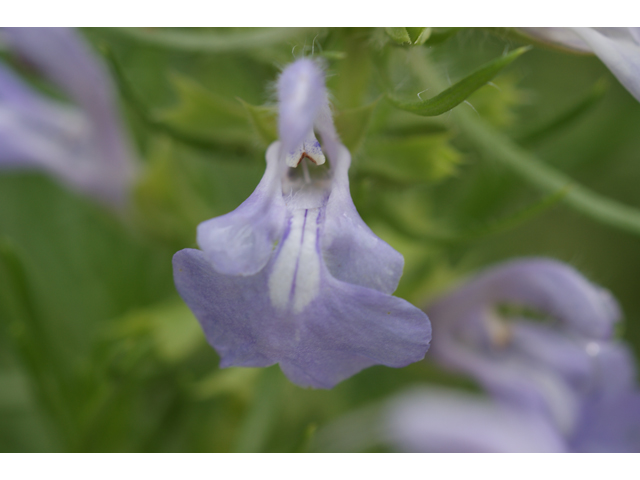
(82, 144)
(536, 335)
(618, 48)
(293, 275)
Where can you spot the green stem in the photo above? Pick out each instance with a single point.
(496, 146)
(261, 415)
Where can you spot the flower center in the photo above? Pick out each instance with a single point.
(309, 148)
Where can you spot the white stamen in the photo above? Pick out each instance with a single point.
(305, 172)
(295, 278)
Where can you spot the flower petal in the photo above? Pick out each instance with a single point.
(241, 242)
(552, 287)
(560, 36)
(342, 330)
(510, 377)
(439, 420)
(62, 55)
(504, 361)
(563, 353)
(301, 95)
(622, 56)
(352, 252)
(104, 153)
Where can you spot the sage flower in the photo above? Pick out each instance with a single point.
(537, 337)
(293, 275)
(82, 142)
(618, 48)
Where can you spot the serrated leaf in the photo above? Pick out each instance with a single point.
(352, 125)
(498, 104)
(215, 139)
(205, 114)
(457, 94)
(410, 160)
(264, 121)
(398, 35)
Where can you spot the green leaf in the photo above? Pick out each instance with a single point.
(29, 338)
(398, 35)
(235, 381)
(175, 332)
(260, 419)
(409, 160)
(205, 114)
(419, 35)
(571, 114)
(264, 121)
(456, 94)
(210, 42)
(352, 125)
(207, 141)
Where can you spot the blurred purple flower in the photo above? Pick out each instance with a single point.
(82, 144)
(536, 335)
(293, 275)
(618, 48)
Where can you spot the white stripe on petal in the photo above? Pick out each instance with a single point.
(295, 278)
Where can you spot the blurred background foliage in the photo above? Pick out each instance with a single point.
(98, 352)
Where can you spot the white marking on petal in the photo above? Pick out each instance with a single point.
(310, 148)
(295, 278)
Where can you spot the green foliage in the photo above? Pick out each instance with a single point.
(410, 35)
(353, 125)
(399, 35)
(206, 115)
(458, 93)
(409, 159)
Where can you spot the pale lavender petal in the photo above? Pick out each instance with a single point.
(301, 95)
(614, 368)
(520, 363)
(566, 354)
(39, 133)
(241, 242)
(439, 420)
(63, 56)
(343, 329)
(609, 425)
(508, 376)
(99, 149)
(559, 36)
(553, 288)
(610, 414)
(352, 252)
(621, 55)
